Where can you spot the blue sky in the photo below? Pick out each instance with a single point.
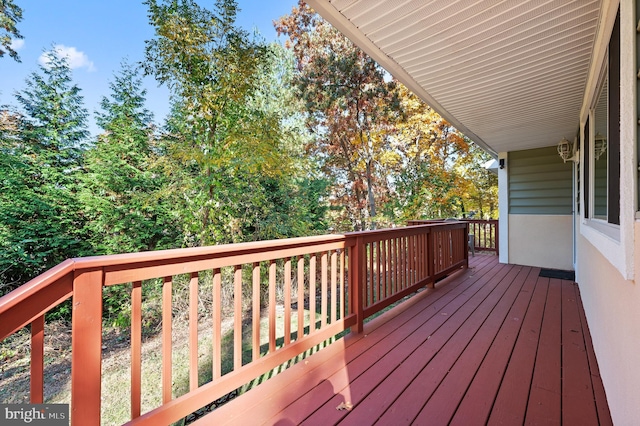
(98, 35)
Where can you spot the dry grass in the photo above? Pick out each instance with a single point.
(14, 364)
(116, 403)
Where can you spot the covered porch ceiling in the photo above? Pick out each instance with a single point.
(510, 74)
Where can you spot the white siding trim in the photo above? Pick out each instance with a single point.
(503, 208)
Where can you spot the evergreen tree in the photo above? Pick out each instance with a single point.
(56, 115)
(121, 191)
(10, 15)
(40, 214)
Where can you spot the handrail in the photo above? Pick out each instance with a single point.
(341, 278)
(484, 231)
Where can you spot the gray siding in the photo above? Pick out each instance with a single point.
(539, 182)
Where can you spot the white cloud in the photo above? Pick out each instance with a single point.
(75, 58)
(17, 44)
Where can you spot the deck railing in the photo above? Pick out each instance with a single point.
(485, 232)
(338, 279)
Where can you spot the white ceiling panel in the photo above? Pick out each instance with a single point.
(508, 73)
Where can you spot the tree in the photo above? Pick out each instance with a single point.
(218, 131)
(252, 202)
(351, 104)
(40, 215)
(432, 158)
(55, 115)
(294, 202)
(122, 181)
(10, 15)
(482, 198)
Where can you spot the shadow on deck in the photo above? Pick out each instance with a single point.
(494, 344)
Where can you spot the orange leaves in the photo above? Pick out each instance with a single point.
(383, 149)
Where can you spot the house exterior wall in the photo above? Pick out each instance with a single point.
(612, 307)
(540, 208)
(608, 255)
(539, 183)
(541, 240)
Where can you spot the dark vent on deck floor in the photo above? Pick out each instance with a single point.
(558, 273)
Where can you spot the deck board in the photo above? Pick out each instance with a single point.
(602, 408)
(546, 387)
(478, 399)
(407, 405)
(510, 405)
(384, 372)
(442, 405)
(427, 342)
(578, 403)
(496, 344)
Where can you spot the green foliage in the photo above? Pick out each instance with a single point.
(232, 143)
(262, 142)
(10, 15)
(122, 183)
(483, 189)
(40, 151)
(210, 65)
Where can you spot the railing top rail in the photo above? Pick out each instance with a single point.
(36, 284)
(425, 225)
(176, 255)
(69, 267)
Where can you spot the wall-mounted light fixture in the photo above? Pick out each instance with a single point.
(567, 151)
(600, 146)
(501, 163)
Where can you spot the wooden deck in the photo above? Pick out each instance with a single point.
(495, 344)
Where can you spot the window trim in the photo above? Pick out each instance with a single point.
(610, 73)
(615, 243)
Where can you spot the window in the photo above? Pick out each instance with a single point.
(602, 141)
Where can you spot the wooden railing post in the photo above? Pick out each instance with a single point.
(86, 356)
(430, 260)
(496, 226)
(357, 259)
(466, 245)
(37, 360)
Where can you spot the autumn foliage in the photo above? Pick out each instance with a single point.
(389, 155)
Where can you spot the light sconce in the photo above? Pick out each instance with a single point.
(501, 163)
(600, 146)
(565, 150)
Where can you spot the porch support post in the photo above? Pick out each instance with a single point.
(503, 200)
(86, 343)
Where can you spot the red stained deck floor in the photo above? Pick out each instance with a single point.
(495, 344)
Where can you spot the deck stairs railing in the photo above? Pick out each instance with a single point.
(328, 284)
